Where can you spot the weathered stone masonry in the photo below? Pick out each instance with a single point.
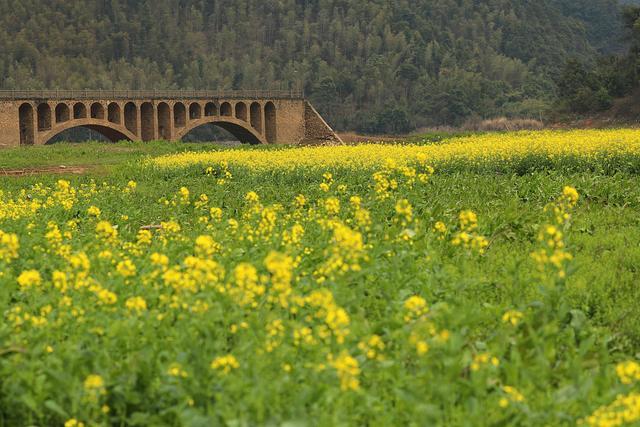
(35, 117)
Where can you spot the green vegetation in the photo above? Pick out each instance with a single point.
(90, 154)
(387, 295)
(591, 86)
(375, 66)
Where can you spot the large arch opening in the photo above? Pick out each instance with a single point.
(270, 124)
(179, 115)
(79, 111)
(131, 117)
(255, 111)
(226, 110)
(146, 121)
(113, 113)
(164, 121)
(210, 109)
(27, 130)
(97, 111)
(221, 131)
(44, 117)
(62, 113)
(210, 133)
(195, 111)
(85, 133)
(241, 111)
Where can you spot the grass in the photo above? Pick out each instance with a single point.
(335, 311)
(91, 153)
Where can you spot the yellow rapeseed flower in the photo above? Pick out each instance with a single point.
(624, 411)
(136, 304)
(29, 279)
(106, 231)
(415, 307)
(475, 148)
(205, 246)
(94, 211)
(9, 245)
(126, 268)
(176, 370)
(348, 371)
(225, 364)
(512, 317)
(628, 372)
(372, 347)
(93, 382)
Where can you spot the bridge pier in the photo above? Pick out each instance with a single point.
(34, 118)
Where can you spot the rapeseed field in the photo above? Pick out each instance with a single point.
(482, 280)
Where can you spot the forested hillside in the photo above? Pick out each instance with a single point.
(374, 65)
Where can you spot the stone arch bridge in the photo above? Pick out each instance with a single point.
(255, 117)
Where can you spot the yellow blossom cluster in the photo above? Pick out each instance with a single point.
(481, 360)
(415, 308)
(136, 304)
(467, 236)
(476, 148)
(348, 370)
(552, 253)
(106, 231)
(225, 364)
(511, 395)
(624, 411)
(440, 228)
(248, 286)
(94, 386)
(373, 347)
(29, 278)
(345, 253)
(9, 246)
(176, 370)
(512, 317)
(220, 171)
(628, 372)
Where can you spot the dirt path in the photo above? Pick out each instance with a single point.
(55, 170)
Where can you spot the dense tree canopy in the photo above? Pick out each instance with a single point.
(587, 87)
(425, 62)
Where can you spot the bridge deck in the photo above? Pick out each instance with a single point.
(149, 94)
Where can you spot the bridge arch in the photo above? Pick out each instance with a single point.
(131, 117)
(62, 113)
(164, 121)
(179, 115)
(226, 110)
(44, 117)
(27, 127)
(79, 111)
(113, 113)
(241, 111)
(210, 109)
(97, 111)
(255, 113)
(270, 122)
(195, 111)
(147, 121)
(111, 131)
(237, 128)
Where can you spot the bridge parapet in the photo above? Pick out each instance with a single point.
(149, 94)
(256, 117)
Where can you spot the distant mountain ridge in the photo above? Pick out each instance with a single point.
(372, 65)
